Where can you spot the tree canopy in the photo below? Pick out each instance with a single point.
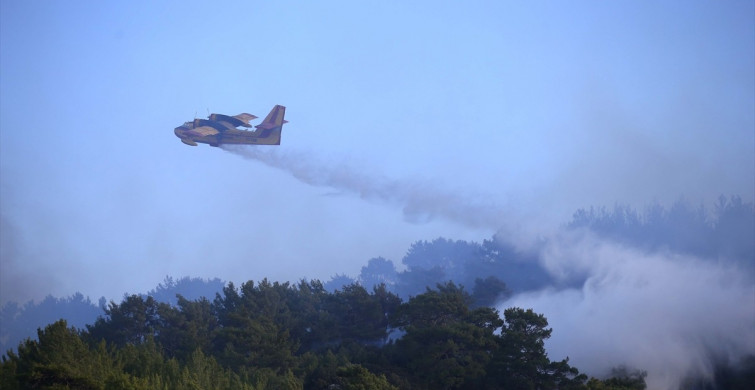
(271, 335)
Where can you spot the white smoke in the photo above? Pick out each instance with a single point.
(420, 200)
(664, 313)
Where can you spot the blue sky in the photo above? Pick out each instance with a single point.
(530, 110)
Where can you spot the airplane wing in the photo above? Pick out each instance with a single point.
(202, 131)
(234, 121)
(219, 125)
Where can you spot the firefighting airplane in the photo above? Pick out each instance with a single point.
(222, 129)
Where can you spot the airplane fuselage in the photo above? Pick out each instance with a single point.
(242, 137)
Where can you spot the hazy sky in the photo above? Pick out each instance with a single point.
(407, 122)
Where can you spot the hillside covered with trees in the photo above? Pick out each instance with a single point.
(382, 328)
(291, 336)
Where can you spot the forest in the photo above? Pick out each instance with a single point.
(292, 336)
(418, 328)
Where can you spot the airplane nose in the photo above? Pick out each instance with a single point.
(181, 134)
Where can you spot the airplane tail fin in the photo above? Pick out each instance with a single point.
(274, 120)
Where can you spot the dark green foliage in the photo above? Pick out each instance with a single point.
(359, 316)
(446, 345)
(62, 360)
(378, 271)
(489, 291)
(337, 282)
(356, 377)
(521, 361)
(18, 322)
(135, 319)
(189, 288)
(254, 327)
(622, 378)
(186, 328)
(431, 262)
(59, 359)
(295, 336)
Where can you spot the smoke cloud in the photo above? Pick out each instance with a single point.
(669, 314)
(673, 315)
(19, 282)
(420, 200)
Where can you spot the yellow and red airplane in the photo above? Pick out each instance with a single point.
(223, 129)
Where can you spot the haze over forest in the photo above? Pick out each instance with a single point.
(592, 161)
(680, 261)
